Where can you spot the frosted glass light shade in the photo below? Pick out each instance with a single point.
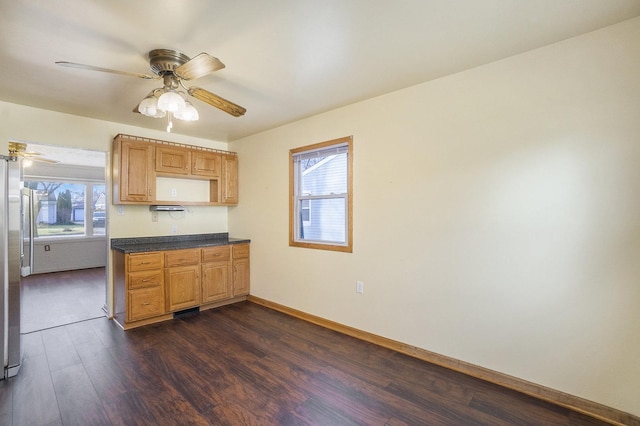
(149, 107)
(171, 102)
(189, 113)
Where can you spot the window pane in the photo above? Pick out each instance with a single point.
(60, 208)
(99, 209)
(324, 175)
(328, 224)
(305, 213)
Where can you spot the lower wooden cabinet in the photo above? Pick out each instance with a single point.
(183, 287)
(145, 303)
(144, 286)
(182, 279)
(240, 265)
(151, 286)
(215, 282)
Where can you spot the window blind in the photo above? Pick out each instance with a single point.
(319, 153)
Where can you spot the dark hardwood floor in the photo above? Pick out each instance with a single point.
(245, 364)
(60, 298)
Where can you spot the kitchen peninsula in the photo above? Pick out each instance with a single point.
(158, 277)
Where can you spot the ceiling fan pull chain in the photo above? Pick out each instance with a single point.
(169, 122)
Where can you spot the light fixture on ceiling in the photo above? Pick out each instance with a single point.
(171, 100)
(168, 102)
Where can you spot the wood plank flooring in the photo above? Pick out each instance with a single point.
(245, 364)
(60, 298)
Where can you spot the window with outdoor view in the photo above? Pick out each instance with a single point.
(321, 195)
(68, 208)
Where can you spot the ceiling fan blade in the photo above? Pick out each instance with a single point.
(198, 66)
(43, 160)
(217, 101)
(92, 68)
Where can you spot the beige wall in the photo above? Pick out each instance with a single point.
(496, 217)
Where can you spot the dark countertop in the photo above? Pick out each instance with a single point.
(174, 242)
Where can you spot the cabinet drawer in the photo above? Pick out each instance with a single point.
(145, 303)
(240, 250)
(144, 261)
(145, 279)
(181, 257)
(215, 254)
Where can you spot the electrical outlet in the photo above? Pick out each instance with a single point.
(359, 287)
(174, 192)
(120, 210)
(154, 216)
(174, 229)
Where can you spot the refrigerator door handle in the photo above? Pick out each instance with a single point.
(28, 211)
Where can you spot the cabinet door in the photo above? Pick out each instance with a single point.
(205, 163)
(215, 282)
(241, 277)
(183, 287)
(135, 177)
(173, 160)
(229, 179)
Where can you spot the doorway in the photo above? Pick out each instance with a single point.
(68, 275)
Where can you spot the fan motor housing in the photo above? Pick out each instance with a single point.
(163, 61)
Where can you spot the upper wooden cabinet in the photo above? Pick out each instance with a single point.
(229, 179)
(133, 174)
(205, 163)
(173, 160)
(138, 163)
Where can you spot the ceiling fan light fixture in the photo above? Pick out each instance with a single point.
(149, 107)
(173, 67)
(188, 113)
(171, 101)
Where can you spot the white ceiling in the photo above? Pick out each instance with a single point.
(285, 59)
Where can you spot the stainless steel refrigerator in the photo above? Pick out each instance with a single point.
(12, 247)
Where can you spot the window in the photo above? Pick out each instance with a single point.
(68, 208)
(321, 195)
(68, 192)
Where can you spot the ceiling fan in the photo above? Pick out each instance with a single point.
(174, 68)
(19, 149)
